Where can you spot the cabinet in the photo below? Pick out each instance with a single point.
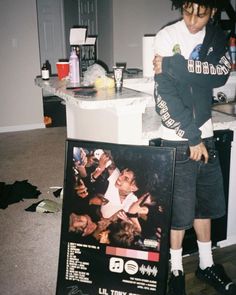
(54, 108)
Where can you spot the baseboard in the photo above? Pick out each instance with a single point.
(21, 127)
(228, 242)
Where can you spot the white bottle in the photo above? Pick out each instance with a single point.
(45, 72)
(74, 68)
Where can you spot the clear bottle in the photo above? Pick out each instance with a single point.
(74, 68)
(45, 72)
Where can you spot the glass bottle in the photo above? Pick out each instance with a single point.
(45, 72)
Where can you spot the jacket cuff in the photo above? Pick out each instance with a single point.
(194, 141)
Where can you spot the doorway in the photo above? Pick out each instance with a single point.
(51, 31)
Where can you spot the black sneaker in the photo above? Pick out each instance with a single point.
(217, 278)
(176, 284)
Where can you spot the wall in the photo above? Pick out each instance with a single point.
(132, 19)
(21, 101)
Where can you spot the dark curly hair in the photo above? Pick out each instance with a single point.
(219, 4)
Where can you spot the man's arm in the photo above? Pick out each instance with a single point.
(173, 113)
(203, 74)
(175, 116)
(211, 70)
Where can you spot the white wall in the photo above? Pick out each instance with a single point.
(20, 100)
(132, 19)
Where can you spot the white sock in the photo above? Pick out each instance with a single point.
(176, 259)
(205, 254)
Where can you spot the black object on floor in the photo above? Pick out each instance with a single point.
(57, 193)
(16, 192)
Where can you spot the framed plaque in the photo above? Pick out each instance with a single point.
(115, 219)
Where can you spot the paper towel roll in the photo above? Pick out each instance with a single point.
(148, 54)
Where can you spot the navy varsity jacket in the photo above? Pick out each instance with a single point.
(183, 91)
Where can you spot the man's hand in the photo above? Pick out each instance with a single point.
(81, 189)
(198, 152)
(157, 64)
(103, 161)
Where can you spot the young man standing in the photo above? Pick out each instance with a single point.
(191, 59)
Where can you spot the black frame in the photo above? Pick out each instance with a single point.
(88, 267)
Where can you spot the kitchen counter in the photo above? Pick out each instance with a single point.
(130, 115)
(105, 116)
(104, 98)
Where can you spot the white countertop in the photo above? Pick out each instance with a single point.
(104, 98)
(136, 92)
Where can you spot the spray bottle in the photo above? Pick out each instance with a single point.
(74, 67)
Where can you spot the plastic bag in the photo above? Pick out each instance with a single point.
(94, 72)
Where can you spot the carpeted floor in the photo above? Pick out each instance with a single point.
(29, 241)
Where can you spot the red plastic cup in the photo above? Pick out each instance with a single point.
(62, 69)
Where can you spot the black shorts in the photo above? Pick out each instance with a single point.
(198, 187)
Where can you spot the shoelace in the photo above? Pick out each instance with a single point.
(219, 275)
